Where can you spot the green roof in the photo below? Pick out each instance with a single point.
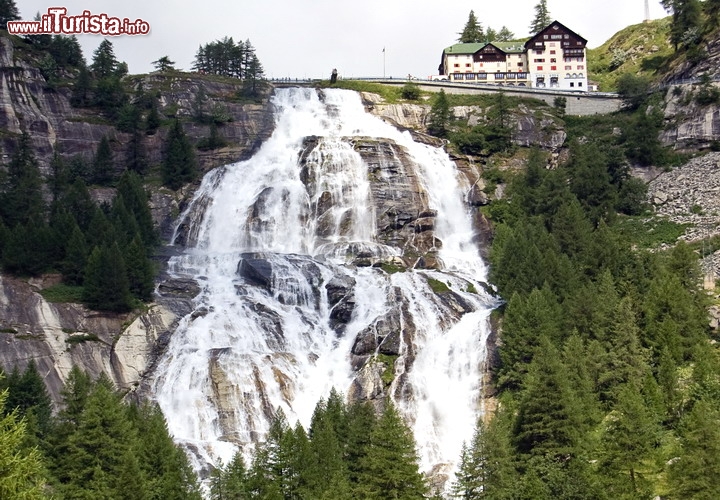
(471, 48)
(464, 48)
(510, 47)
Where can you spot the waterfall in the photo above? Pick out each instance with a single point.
(290, 251)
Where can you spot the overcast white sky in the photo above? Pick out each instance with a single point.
(308, 38)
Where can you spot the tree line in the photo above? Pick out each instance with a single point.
(348, 452)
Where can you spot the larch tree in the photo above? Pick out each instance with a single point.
(21, 469)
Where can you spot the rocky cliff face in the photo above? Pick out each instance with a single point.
(691, 123)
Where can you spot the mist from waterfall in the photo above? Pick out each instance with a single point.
(251, 347)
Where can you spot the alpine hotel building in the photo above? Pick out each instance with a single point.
(553, 58)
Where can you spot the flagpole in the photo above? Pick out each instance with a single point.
(383, 63)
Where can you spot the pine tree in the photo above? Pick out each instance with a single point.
(473, 31)
(542, 18)
(439, 118)
(179, 165)
(390, 468)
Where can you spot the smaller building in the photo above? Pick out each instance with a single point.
(554, 58)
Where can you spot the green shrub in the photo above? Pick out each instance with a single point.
(410, 91)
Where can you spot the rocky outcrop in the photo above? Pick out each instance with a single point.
(689, 124)
(27, 103)
(692, 123)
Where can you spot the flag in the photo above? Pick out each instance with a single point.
(383, 50)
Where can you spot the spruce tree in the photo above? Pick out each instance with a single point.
(104, 63)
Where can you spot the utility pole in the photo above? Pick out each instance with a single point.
(647, 11)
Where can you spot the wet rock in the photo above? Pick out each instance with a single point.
(256, 269)
(184, 288)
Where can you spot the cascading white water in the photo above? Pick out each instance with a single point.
(253, 347)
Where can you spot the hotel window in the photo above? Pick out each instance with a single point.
(552, 60)
(467, 65)
(568, 68)
(539, 68)
(580, 66)
(553, 68)
(520, 65)
(552, 52)
(538, 51)
(456, 65)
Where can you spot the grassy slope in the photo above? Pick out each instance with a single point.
(647, 49)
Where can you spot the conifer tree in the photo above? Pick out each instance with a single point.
(104, 63)
(102, 163)
(542, 18)
(21, 471)
(505, 35)
(390, 467)
(696, 472)
(8, 12)
(547, 422)
(21, 199)
(140, 271)
(630, 434)
(106, 285)
(76, 254)
(439, 118)
(179, 165)
(100, 456)
(473, 31)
